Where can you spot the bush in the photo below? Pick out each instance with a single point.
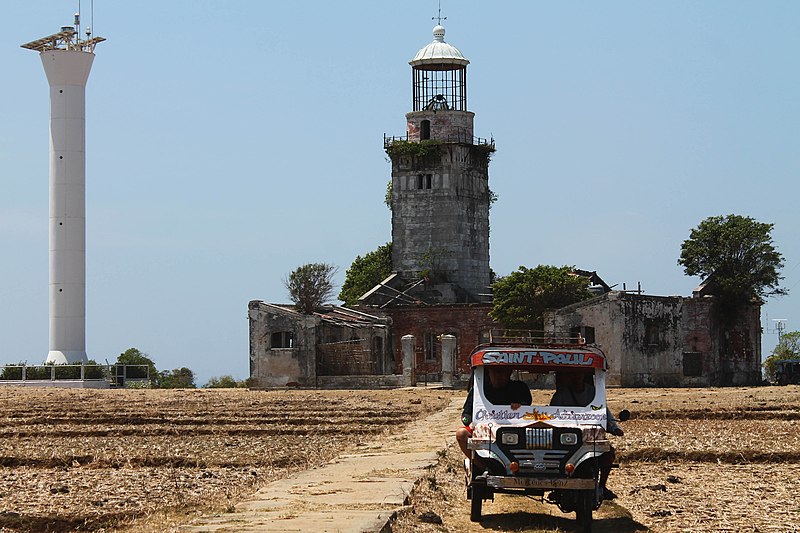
(39, 372)
(94, 371)
(177, 378)
(91, 370)
(223, 382)
(11, 372)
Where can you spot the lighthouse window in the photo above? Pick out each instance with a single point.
(424, 181)
(425, 130)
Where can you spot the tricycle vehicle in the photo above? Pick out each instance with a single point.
(552, 451)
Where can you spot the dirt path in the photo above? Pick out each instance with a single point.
(359, 491)
(384, 485)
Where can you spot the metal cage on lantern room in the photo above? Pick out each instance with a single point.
(442, 86)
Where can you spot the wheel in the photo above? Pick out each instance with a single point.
(477, 503)
(584, 505)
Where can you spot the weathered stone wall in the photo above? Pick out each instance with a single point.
(275, 367)
(444, 228)
(445, 125)
(667, 341)
(287, 347)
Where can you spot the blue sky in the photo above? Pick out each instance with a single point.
(230, 142)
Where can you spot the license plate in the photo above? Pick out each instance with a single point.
(505, 482)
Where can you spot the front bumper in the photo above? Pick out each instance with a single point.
(509, 482)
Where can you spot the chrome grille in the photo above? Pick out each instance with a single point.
(539, 438)
(540, 461)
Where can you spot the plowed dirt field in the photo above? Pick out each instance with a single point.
(147, 460)
(141, 460)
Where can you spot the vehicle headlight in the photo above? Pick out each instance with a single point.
(569, 439)
(510, 439)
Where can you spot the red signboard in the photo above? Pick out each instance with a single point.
(557, 357)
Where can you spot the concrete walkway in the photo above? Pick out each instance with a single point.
(356, 492)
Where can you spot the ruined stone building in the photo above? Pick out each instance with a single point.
(291, 348)
(440, 241)
(668, 341)
(440, 200)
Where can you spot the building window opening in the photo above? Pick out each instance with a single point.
(586, 333)
(424, 181)
(652, 334)
(692, 364)
(430, 347)
(282, 339)
(425, 130)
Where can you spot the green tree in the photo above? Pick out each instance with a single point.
(222, 382)
(177, 378)
(738, 256)
(787, 348)
(522, 297)
(134, 356)
(365, 273)
(310, 286)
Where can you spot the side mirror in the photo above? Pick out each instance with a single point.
(624, 415)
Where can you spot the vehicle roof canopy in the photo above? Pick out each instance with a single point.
(539, 357)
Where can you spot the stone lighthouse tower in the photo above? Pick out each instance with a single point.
(440, 181)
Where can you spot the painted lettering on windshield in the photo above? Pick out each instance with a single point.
(523, 358)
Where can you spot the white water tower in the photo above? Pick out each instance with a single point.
(67, 60)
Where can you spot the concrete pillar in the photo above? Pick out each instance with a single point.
(409, 343)
(448, 359)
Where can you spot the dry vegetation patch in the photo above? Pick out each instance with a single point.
(95, 459)
(691, 459)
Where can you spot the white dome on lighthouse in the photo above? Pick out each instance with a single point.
(439, 51)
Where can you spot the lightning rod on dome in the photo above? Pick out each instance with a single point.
(439, 17)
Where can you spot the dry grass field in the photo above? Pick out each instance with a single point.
(147, 460)
(722, 459)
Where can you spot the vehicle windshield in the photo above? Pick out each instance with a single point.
(558, 396)
(573, 388)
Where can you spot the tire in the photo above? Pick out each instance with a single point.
(476, 504)
(584, 505)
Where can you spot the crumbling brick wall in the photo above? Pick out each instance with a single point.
(464, 321)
